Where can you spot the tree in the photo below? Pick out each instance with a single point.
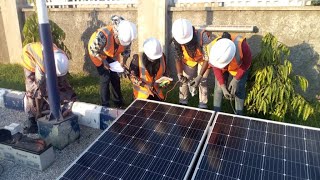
(272, 86)
(31, 33)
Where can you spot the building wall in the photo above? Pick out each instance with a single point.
(4, 55)
(79, 24)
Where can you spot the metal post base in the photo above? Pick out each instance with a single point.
(59, 133)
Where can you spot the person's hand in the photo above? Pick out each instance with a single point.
(106, 64)
(196, 81)
(226, 93)
(182, 78)
(233, 86)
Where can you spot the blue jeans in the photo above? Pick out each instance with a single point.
(240, 93)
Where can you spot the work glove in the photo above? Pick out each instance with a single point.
(164, 84)
(233, 86)
(196, 81)
(226, 93)
(182, 78)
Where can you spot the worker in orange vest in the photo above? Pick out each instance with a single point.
(105, 46)
(191, 60)
(146, 68)
(230, 55)
(36, 93)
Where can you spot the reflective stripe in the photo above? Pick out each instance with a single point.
(108, 35)
(37, 58)
(237, 55)
(140, 90)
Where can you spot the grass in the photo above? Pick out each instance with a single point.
(87, 89)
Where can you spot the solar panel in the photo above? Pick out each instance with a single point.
(151, 140)
(241, 147)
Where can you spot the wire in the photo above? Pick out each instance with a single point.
(231, 103)
(170, 90)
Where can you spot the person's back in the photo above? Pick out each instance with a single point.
(36, 92)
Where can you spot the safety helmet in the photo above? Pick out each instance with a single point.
(152, 48)
(62, 63)
(182, 31)
(127, 32)
(222, 53)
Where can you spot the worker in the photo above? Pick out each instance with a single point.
(146, 68)
(191, 60)
(36, 93)
(230, 56)
(105, 46)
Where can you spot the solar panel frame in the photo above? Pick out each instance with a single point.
(275, 129)
(196, 153)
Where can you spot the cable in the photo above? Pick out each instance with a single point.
(231, 103)
(170, 90)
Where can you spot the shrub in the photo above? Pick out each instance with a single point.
(272, 86)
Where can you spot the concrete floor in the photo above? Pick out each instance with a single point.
(12, 171)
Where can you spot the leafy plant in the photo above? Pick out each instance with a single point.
(272, 86)
(31, 33)
(315, 2)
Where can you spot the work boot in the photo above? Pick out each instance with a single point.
(31, 126)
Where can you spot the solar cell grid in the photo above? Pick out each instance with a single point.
(150, 140)
(247, 148)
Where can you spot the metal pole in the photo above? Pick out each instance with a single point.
(50, 68)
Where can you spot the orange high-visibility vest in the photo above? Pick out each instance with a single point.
(32, 56)
(198, 58)
(109, 47)
(142, 92)
(236, 62)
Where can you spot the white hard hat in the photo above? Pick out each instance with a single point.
(62, 63)
(182, 31)
(127, 32)
(152, 48)
(222, 53)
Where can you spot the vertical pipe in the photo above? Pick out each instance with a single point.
(50, 69)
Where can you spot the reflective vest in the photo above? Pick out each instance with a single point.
(142, 92)
(198, 58)
(236, 62)
(108, 48)
(32, 56)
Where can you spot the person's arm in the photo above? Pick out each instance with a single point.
(125, 54)
(218, 75)
(246, 60)
(166, 71)
(205, 41)
(134, 65)
(97, 48)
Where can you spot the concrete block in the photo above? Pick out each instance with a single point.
(2, 93)
(59, 133)
(14, 100)
(108, 115)
(88, 114)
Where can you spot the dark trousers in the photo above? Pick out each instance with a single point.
(106, 77)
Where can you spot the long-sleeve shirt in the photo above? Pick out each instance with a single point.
(205, 40)
(246, 63)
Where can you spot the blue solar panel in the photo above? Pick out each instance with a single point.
(151, 140)
(247, 148)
